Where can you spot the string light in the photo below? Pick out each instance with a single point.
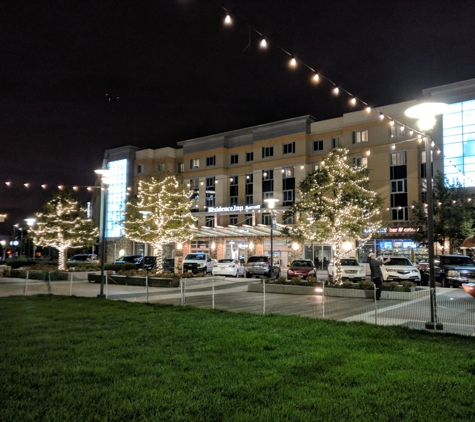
(336, 90)
(227, 20)
(293, 62)
(263, 43)
(316, 77)
(353, 101)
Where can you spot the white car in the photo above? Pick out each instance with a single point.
(350, 268)
(399, 268)
(228, 266)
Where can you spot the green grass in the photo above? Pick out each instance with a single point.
(79, 359)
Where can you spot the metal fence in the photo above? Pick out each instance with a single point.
(454, 308)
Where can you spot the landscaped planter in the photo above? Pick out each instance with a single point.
(137, 280)
(284, 289)
(335, 292)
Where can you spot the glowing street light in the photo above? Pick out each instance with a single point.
(104, 173)
(426, 113)
(271, 203)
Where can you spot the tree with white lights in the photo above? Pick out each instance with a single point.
(161, 214)
(62, 224)
(336, 205)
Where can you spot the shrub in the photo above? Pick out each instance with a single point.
(40, 275)
(365, 285)
(348, 285)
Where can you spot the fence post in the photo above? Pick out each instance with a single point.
(146, 285)
(107, 284)
(26, 282)
(264, 300)
(375, 304)
(70, 284)
(213, 290)
(49, 282)
(183, 288)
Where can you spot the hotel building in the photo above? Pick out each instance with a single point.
(231, 175)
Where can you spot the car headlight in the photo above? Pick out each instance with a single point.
(453, 273)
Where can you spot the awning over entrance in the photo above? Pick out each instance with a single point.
(239, 231)
(468, 242)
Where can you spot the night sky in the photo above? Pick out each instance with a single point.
(181, 73)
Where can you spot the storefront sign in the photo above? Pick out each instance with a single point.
(234, 208)
(403, 229)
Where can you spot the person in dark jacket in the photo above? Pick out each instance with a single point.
(376, 273)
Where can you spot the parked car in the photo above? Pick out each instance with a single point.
(130, 259)
(148, 263)
(450, 270)
(199, 262)
(301, 268)
(259, 265)
(400, 268)
(229, 266)
(83, 258)
(350, 269)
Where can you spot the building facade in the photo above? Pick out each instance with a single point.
(232, 174)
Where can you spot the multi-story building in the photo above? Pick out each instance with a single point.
(232, 174)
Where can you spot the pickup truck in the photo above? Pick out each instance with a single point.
(450, 270)
(199, 262)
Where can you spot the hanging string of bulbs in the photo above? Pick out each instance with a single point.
(336, 88)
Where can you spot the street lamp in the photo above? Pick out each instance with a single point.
(426, 113)
(271, 203)
(104, 173)
(31, 222)
(21, 238)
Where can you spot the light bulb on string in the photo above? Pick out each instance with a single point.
(293, 62)
(316, 77)
(381, 116)
(353, 101)
(227, 20)
(336, 90)
(368, 109)
(391, 123)
(393, 146)
(263, 43)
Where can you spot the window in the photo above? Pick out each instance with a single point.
(267, 219)
(194, 186)
(289, 148)
(249, 156)
(288, 186)
(360, 136)
(318, 145)
(249, 189)
(459, 142)
(139, 168)
(233, 190)
(211, 161)
(267, 184)
(360, 161)
(209, 221)
(248, 219)
(267, 152)
(161, 166)
(337, 141)
(194, 163)
(398, 176)
(210, 192)
(234, 159)
(233, 220)
(397, 131)
(181, 168)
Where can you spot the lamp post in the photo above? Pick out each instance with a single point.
(21, 238)
(426, 113)
(104, 173)
(31, 222)
(271, 203)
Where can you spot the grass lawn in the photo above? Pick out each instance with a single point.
(80, 359)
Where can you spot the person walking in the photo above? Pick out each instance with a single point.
(317, 263)
(376, 273)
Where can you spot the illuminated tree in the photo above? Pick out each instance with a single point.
(336, 205)
(161, 214)
(454, 215)
(63, 224)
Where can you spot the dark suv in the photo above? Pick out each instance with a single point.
(450, 270)
(260, 265)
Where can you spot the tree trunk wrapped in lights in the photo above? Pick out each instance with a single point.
(161, 213)
(336, 204)
(63, 224)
